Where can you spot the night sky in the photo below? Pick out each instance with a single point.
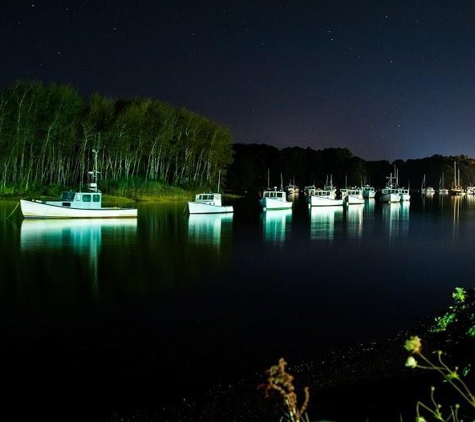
(386, 79)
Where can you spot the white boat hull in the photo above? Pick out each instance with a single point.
(275, 204)
(201, 208)
(390, 197)
(38, 209)
(323, 201)
(354, 199)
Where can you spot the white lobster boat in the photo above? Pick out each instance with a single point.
(354, 196)
(369, 191)
(208, 203)
(404, 194)
(325, 197)
(390, 193)
(74, 204)
(275, 200)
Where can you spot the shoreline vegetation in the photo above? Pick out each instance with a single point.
(146, 148)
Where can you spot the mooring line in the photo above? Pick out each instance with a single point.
(14, 209)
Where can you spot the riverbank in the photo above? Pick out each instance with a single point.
(364, 383)
(121, 198)
(368, 382)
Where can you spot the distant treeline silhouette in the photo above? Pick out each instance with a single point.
(305, 166)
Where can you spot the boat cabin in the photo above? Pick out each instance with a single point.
(209, 198)
(83, 200)
(275, 194)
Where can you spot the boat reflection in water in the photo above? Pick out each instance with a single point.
(456, 201)
(369, 205)
(354, 220)
(79, 235)
(84, 237)
(397, 217)
(208, 229)
(322, 221)
(276, 225)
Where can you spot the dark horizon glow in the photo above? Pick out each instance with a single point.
(387, 80)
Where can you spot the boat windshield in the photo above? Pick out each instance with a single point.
(273, 194)
(205, 197)
(67, 196)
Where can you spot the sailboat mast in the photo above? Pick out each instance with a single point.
(455, 174)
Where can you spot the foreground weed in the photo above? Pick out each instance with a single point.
(418, 360)
(282, 383)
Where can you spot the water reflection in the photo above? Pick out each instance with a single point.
(322, 222)
(354, 220)
(78, 235)
(427, 199)
(396, 216)
(470, 198)
(276, 224)
(207, 228)
(443, 200)
(456, 200)
(369, 205)
(81, 236)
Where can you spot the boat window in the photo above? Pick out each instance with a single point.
(96, 198)
(77, 197)
(67, 196)
(86, 198)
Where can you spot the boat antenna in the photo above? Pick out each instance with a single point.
(219, 179)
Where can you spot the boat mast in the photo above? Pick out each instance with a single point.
(94, 173)
(455, 174)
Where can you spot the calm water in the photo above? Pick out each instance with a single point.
(116, 314)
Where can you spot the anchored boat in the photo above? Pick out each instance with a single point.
(74, 204)
(209, 203)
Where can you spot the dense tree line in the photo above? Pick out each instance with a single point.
(48, 132)
(305, 166)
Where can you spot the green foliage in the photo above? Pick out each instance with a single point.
(143, 190)
(459, 321)
(47, 133)
(455, 330)
(450, 376)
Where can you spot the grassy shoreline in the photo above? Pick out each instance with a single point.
(169, 194)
